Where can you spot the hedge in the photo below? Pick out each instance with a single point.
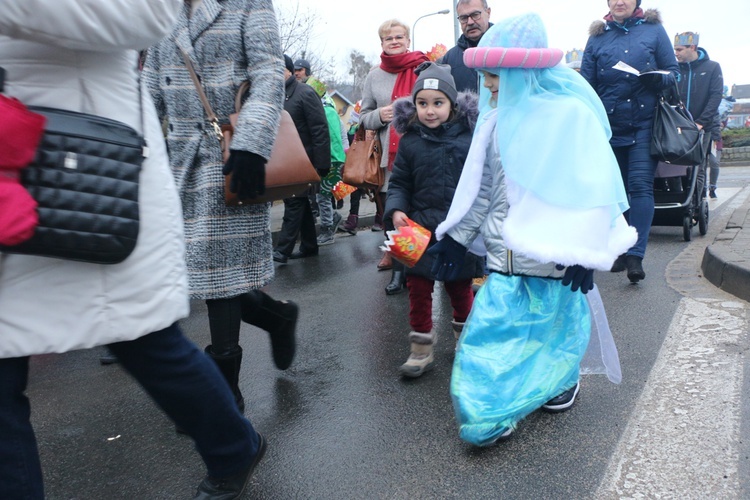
(736, 137)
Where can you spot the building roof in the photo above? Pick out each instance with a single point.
(741, 91)
(341, 96)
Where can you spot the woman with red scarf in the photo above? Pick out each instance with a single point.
(394, 78)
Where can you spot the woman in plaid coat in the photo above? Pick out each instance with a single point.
(228, 248)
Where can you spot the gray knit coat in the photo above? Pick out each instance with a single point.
(228, 41)
(376, 94)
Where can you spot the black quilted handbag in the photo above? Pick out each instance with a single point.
(676, 138)
(85, 180)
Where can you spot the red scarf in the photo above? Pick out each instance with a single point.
(403, 65)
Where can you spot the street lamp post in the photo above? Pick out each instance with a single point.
(456, 28)
(444, 11)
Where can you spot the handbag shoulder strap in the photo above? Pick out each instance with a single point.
(359, 135)
(244, 89)
(202, 94)
(671, 95)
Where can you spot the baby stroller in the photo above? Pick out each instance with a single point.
(680, 197)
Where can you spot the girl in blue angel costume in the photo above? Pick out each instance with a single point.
(541, 195)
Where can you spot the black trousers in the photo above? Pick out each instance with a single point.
(298, 221)
(354, 199)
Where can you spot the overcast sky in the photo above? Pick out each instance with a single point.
(724, 25)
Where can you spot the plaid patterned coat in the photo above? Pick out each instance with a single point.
(228, 41)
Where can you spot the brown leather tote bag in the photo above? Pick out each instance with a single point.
(362, 165)
(289, 171)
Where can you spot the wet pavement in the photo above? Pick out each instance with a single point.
(342, 424)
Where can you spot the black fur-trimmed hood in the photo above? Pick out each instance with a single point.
(652, 16)
(404, 109)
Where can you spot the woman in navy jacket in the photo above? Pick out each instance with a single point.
(637, 38)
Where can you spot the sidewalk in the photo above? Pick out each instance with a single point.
(726, 262)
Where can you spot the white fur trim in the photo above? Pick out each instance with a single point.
(548, 233)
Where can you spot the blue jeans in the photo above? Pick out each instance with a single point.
(183, 381)
(715, 163)
(638, 167)
(326, 210)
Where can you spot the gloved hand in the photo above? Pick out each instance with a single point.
(578, 277)
(248, 173)
(656, 81)
(449, 258)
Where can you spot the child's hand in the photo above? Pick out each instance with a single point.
(578, 277)
(449, 258)
(399, 219)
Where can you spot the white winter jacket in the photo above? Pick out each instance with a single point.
(81, 55)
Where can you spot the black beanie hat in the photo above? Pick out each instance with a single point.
(289, 64)
(434, 76)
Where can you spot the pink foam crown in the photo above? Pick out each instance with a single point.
(514, 57)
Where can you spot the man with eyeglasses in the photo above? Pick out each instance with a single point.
(474, 17)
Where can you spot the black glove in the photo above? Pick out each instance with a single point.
(449, 258)
(248, 173)
(578, 277)
(656, 81)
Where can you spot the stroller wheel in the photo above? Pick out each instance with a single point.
(687, 227)
(703, 218)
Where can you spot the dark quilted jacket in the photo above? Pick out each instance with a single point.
(426, 171)
(643, 44)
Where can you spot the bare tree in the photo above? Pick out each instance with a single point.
(295, 26)
(297, 29)
(358, 69)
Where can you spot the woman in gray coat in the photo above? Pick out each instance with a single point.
(228, 248)
(393, 78)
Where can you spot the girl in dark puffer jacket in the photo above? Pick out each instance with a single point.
(437, 125)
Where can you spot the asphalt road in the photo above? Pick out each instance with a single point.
(341, 424)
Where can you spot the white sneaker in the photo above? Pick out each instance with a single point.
(562, 402)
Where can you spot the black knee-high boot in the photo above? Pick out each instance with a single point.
(278, 318)
(229, 364)
(224, 319)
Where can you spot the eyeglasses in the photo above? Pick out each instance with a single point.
(398, 38)
(474, 17)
